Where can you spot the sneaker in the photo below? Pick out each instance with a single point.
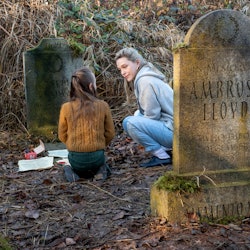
(70, 175)
(155, 161)
(103, 173)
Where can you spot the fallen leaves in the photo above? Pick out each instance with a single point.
(40, 210)
(32, 214)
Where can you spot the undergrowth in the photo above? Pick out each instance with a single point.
(4, 244)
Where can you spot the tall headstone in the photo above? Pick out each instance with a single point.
(212, 114)
(212, 89)
(47, 74)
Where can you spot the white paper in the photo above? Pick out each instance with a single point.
(40, 148)
(61, 153)
(36, 164)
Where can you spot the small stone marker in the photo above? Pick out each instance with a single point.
(212, 119)
(47, 73)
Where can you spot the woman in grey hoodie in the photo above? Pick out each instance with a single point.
(152, 124)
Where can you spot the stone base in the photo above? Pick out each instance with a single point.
(211, 203)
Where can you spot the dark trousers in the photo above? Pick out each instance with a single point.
(86, 164)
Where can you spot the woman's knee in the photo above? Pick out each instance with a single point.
(125, 123)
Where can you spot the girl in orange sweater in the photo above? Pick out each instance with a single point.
(86, 127)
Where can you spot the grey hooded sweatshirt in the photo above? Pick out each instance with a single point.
(154, 96)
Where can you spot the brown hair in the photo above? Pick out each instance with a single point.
(80, 81)
(79, 90)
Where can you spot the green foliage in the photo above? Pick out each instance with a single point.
(4, 244)
(229, 219)
(84, 25)
(179, 46)
(223, 221)
(77, 47)
(174, 183)
(148, 26)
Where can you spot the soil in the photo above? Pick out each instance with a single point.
(40, 210)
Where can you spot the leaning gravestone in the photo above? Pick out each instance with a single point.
(212, 119)
(47, 73)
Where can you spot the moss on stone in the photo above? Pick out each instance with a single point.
(179, 46)
(175, 183)
(223, 221)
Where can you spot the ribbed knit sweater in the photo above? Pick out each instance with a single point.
(86, 135)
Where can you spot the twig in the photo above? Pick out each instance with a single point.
(106, 192)
(182, 204)
(104, 71)
(5, 30)
(202, 174)
(45, 235)
(54, 185)
(210, 180)
(126, 239)
(18, 121)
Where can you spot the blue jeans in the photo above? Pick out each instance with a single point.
(151, 134)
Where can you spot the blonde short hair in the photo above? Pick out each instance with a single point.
(131, 54)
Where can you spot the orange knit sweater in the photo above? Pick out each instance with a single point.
(86, 135)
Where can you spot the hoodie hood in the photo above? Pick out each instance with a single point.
(148, 70)
(154, 95)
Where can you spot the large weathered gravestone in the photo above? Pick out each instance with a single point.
(47, 73)
(212, 119)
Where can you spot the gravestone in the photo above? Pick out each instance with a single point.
(212, 118)
(47, 75)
